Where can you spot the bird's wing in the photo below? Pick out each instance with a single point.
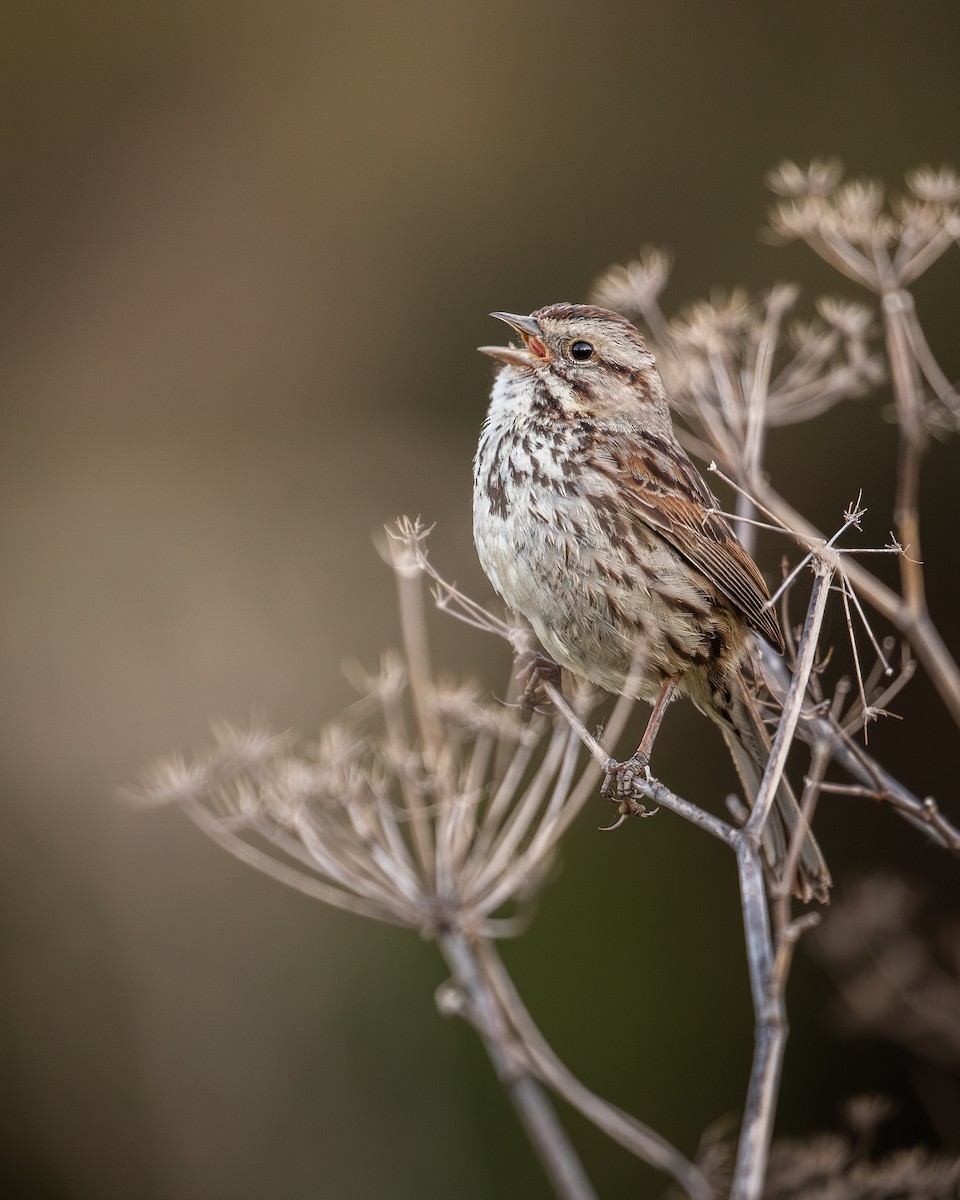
(673, 500)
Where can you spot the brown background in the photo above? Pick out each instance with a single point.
(248, 250)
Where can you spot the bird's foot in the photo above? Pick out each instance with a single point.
(536, 670)
(618, 787)
(619, 778)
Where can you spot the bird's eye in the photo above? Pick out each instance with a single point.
(581, 351)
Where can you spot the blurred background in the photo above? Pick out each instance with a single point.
(248, 251)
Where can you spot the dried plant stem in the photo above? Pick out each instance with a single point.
(623, 1128)
(536, 1114)
(414, 628)
(813, 785)
(908, 394)
(770, 1029)
(878, 783)
(650, 789)
(487, 997)
(416, 644)
(767, 968)
(767, 957)
(793, 706)
(338, 897)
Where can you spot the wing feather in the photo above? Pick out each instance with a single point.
(671, 498)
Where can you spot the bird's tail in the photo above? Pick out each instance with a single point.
(749, 744)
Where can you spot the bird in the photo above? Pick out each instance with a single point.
(593, 523)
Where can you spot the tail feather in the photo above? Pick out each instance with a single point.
(749, 745)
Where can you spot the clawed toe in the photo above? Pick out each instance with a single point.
(618, 787)
(620, 776)
(536, 670)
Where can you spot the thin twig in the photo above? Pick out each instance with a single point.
(770, 1029)
(547, 1135)
(878, 782)
(793, 705)
(923, 636)
(649, 788)
(912, 443)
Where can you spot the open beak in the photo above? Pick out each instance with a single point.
(533, 353)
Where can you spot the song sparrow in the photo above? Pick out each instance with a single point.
(591, 521)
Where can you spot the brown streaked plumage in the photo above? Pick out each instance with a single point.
(591, 521)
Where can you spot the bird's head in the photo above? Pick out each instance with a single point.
(588, 358)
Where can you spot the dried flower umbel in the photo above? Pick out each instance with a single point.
(429, 807)
(895, 960)
(424, 806)
(844, 1166)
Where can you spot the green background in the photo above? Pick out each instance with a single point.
(248, 250)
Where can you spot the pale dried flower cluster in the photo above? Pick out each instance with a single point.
(429, 807)
(881, 242)
(896, 965)
(424, 806)
(844, 1166)
(735, 365)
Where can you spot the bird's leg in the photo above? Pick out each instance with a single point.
(536, 670)
(620, 776)
(644, 750)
